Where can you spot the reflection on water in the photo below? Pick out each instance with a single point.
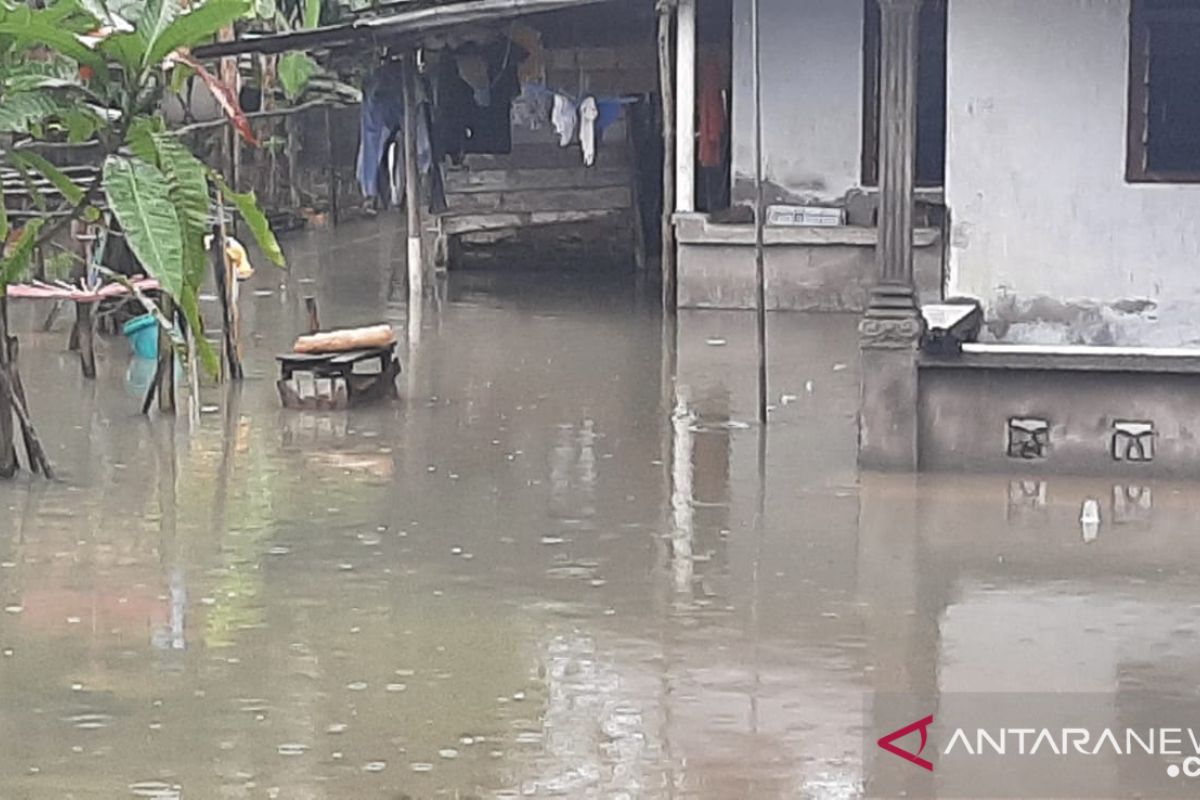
(554, 569)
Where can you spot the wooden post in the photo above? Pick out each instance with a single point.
(666, 82)
(87, 339)
(224, 279)
(332, 170)
(293, 154)
(685, 99)
(166, 359)
(34, 452)
(412, 181)
(891, 328)
(314, 319)
(8, 444)
(760, 276)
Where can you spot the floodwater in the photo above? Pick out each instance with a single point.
(557, 567)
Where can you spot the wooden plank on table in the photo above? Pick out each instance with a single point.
(607, 198)
(500, 180)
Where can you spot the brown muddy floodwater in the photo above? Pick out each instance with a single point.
(555, 568)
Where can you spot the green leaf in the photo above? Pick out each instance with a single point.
(154, 21)
(140, 138)
(295, 69)
(3, 221)
(81, 124)
(20, 111)
(138, 194)
(35, 193)
(196, 27)
(127, 49)
(12, 268)
(187, 178)
(66, 186)
(247, 206)
(187, 181)
(38, 29)
(265, 9)
(312, 13)
(179, 75)
(190, 303)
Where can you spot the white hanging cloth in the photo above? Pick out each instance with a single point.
(563, 116)
(587, 129)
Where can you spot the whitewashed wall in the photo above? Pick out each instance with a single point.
(1046, 229)
(812, 96)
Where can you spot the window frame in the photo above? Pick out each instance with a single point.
(1137, 150)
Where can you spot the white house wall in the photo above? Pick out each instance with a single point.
(812, 97)
(1046, 229)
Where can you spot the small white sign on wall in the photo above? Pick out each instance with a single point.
(782, 216)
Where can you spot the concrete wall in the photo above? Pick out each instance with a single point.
(807, 269)
(964, 416)
(812, 97)
(1036, 181)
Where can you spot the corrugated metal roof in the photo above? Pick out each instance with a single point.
(418, 18)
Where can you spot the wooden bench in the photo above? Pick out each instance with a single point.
(335, 381)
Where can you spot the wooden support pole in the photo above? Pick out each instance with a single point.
(165, 371)
(293, 155)
(666, 82)
(34, 451)
(685, 99)
(331, 168)
(760, 276)
(314, 318)
(412, 181)
(225, 287)
(86, 326)
(8, 445)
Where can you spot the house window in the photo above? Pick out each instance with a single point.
(1164, 91)
(931, 94)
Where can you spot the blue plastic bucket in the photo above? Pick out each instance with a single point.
(142, 333)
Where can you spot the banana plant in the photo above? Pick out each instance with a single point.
(97, 70)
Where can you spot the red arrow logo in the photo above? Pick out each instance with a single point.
(915, 758)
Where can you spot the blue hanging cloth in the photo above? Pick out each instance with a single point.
(382, 124)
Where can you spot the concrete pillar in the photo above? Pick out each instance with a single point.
(685, 106)
(891, 327)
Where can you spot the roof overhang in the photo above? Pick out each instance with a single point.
(394, 28)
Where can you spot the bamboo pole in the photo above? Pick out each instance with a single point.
(8, 445)
(233, 356)
(314, 318)
(166, 360)
(331, 168)
(34, 451)
(666, 81)
(760, 280)
(412, 183)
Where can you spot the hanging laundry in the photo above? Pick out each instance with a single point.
(474, 72)
(531, 109)
(380, 167)
(587, 129)
(564, 116)
(532, 68)
(609, 111)
(382, 117)
(713, 116)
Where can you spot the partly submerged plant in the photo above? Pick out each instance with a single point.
(80, 70)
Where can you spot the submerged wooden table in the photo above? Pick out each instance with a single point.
(337, 380)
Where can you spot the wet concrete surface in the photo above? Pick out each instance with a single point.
(560, 566)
